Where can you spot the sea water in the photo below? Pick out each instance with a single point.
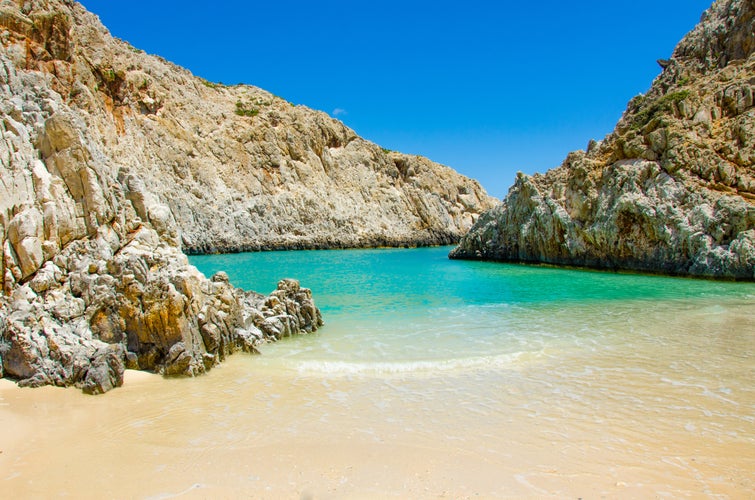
(430, 378)
(412, 311)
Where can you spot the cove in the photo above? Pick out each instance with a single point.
(396, 305)
(430, 378)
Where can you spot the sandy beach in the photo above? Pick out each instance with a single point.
(242, 432)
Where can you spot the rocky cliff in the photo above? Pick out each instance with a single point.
(237, 167)
(114, 161)
(671, 190)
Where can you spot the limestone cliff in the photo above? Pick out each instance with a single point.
(113, 161)
(237, 167)
(671, 190)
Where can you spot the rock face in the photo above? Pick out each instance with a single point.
(671, 190)
(235, 167)
(115, 162)
(125, 296)
(113, 301)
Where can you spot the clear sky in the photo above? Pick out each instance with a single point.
(486, 87)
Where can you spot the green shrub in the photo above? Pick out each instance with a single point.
(210, 84)
(664, 104)
(242, 110)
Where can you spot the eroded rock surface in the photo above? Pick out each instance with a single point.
(113, 301)
(671, 190)
(235, 167)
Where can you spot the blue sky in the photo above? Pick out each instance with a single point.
(488, 88)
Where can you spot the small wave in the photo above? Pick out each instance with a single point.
(428, 367)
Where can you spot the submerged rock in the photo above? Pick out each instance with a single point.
(671, 190)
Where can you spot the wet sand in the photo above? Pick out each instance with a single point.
(243, 432)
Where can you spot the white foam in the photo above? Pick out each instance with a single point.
(415, 367)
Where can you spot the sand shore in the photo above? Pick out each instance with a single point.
(237, 432)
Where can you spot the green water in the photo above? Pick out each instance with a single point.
(414, 310)
(384, 280)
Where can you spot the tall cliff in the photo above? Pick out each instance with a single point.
(113, 162)
(671, 190)
(237, 167)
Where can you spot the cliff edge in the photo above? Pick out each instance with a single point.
(671, 190)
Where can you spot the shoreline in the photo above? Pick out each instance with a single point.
(605, 269)
(130, 377)
(449, 240)
(238, 429)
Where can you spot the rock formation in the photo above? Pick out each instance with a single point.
(671, 190)
(237, 167)
(114, 161)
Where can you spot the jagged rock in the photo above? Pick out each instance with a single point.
(671, 190)
(79, 322)
(112, 160)
(235, 167)
(105, 371)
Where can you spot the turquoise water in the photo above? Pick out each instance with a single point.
(414, 310)
(390, 279)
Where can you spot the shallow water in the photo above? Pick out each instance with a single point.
(431, 378)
